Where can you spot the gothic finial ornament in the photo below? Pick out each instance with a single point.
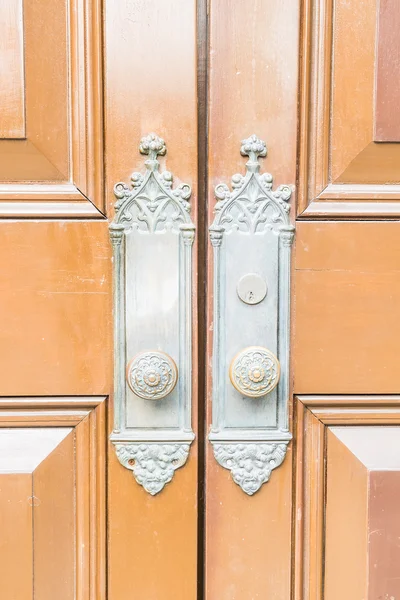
(152, 235)
(252, 237)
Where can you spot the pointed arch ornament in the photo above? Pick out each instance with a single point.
(252, 236)
(152, 235)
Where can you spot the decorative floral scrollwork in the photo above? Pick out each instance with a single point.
(153, 465)
(152, 375)
(252, 205)
(255, 372)
(250, 464)
(150, 204)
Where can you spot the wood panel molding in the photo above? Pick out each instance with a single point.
(342, 172)
(59, 485)
(60, 161)
(317, 418)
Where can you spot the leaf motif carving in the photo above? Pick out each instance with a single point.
(153, 465)
(250, 464)
(252, 206)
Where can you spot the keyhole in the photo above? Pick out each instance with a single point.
(251, 288)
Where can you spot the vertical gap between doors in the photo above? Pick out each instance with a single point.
(202, 129)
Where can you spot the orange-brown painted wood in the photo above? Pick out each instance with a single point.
(52, 496)
(56, 308)
(252, 89)
(387, 73)
(16, 540)
(151, 87)
(347, 470)
(54, 87)
(339, 162)
(55, 295)
(12, 92)
(346, 308)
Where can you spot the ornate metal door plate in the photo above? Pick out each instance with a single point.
(152, 236)
(252, 238)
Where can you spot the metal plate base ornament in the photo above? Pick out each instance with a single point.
(152, 309)
(250, 464)
(251, 237)
(153, 465)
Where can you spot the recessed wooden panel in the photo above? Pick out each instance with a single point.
(63, 91)
(342, 169)
(384, 532)
(252, 89)
(387, 75)
(346, 524)
(12, 89)
(55, 308)
(16, 552)
(348, 477)
(52, 498)
(362, 515)
(346, 326)
(54, 523)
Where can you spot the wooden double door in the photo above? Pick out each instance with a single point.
(181, 514)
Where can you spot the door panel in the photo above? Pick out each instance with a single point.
(252, 89)
(55, 167)
(12, 93)
(346, 479)
(151, 87)
(52, 494)
(83, 83)
(56, 305)
(343, 171)
(346, 288)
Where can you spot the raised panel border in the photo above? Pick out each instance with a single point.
(88, 416)
(312, 415)
(83, 195)
(317, 197)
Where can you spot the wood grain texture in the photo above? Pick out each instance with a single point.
(387, 72)
(57, 517)
(353, 69)
(346, 288)
(337, 118)
(12, 90)
(346, 571)
(150, 71)
(337, 541)
(384, 531)
(64, 105)
(16, 564)
(252, 89)
(54, 528)
(55, 307)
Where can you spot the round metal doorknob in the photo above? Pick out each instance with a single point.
(255, 371)
(152, 375)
